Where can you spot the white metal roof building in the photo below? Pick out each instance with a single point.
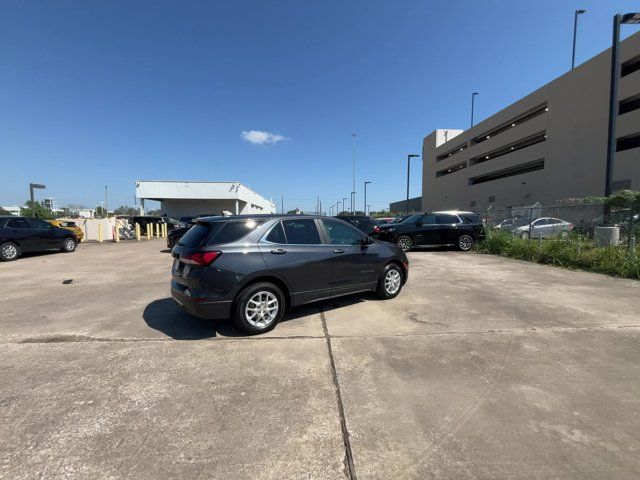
(180, 199)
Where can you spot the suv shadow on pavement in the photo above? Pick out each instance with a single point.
(165, 316)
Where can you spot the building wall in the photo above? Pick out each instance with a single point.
(574, 151)
(176, 208)
(415, 205)
(179, 199)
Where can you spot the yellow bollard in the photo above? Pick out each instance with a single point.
(157, 230)
(148, 228)
(117, 234)
(166, 230)
(137, 229)
(99, 233)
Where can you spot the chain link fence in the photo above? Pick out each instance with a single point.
(585, 222)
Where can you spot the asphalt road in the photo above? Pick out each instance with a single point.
(483, 368)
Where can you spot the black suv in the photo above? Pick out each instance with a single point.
(19, 235)
(251, 268)
(451, 228)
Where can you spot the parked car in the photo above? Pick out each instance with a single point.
(20, 235)
(450, 228)
(383, 220)
(365, 224)
(252, 268)
(69, 225)
(544, 227)
(510, 224)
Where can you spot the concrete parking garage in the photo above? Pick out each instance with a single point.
(483, 367)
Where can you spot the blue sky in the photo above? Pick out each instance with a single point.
(97, 93)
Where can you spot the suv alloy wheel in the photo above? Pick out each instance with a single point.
(259, 308)
(404, 242)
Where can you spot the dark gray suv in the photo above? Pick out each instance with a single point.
(253, 268)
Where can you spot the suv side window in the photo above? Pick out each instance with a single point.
(40, 224)
(428, 219)
(301, 232)
(446, 219)
(17, 223)
(341, 234)
(276, 235)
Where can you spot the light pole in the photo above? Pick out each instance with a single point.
(575, 30)
(365, 196)
(473, 103)
(353, 136)
(369, 207)
(106, 201)
(353, 203)
(344, 199)
(629, 18)
(33, 202)
(409, 157)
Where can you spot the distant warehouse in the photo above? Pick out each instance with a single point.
(548, 146)
(180, 199)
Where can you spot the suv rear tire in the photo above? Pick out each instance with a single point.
(404, 242)
(9, 251)
(390, 282)
(465, 242)
(259, 308)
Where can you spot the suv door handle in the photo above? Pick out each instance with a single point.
(278, 251)
(338, 251)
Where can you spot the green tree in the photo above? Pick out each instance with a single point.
(126, 210)
(4, 212)
(99, 212)
(40, 211)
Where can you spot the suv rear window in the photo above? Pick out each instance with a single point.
(197, 234)
(232, 231)
(470, 218)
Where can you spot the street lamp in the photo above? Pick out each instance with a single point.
(409, 157)
(629, 18)
(344, 199)
(353, 135)
(365, 196)
(353, 203)
(33, 202)
(473, 102)
(575, 30)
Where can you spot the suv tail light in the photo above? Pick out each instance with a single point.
(200, 258)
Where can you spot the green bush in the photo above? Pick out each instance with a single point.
(575, 252)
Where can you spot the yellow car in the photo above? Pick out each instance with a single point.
(69, 226)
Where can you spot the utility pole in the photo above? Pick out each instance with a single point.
(344, 200)
(106, 202)
(282, 204)
(353, 203)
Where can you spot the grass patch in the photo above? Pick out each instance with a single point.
(574, 252)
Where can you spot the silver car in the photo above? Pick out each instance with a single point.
(544, 227)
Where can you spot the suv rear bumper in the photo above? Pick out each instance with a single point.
(209, 310)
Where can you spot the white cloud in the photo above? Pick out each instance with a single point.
(258, 137)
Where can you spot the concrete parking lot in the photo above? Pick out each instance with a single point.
(483, 367)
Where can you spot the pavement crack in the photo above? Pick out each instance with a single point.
(350, 469)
